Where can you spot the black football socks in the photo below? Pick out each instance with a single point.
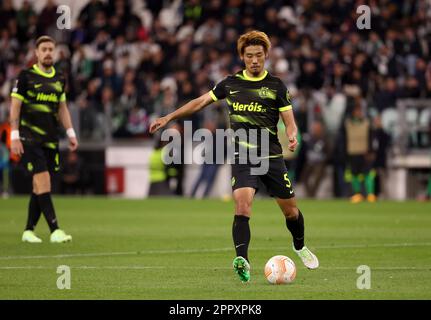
(296, 228)
(47, 208)
(241, 235)
(33, 212)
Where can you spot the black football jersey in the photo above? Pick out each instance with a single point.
(255, 103)
(40, 93)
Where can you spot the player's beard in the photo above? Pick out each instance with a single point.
(255, 71)
(47, 63)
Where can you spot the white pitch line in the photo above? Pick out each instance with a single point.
(377, 245)
(178, 251)
(98, 254)
(102, 267)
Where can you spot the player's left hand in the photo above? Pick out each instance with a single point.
(73, 144)
(293, 143)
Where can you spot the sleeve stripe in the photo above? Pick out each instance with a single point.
(63, 97)
(286, 108)
(17, 95)
(213, 95)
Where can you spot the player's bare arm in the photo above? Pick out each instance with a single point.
(186, 110)
(291, 129)
(66, 121)
(15, 109)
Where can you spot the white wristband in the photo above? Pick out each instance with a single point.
(71, 133)
(14, 135)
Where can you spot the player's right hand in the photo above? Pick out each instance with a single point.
(73, 144)
(16, 147)
(293, 143)
(158, 124)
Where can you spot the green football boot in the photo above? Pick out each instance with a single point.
(242, 268)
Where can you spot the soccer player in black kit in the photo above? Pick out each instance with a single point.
(38, 107)
(256, 100)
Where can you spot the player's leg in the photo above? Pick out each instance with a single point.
(241, 235)
(34, 211)
(244, 187)
(42, 180)
(295, 224)
(42, 189)
(243, 198)
(369, 179)
(31, 156)
(278, 183)
(356, 164)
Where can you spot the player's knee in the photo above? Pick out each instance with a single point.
(41, 183)
(291, 212)
(243, 207)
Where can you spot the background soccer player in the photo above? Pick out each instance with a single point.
(38, 105)
(270, 99)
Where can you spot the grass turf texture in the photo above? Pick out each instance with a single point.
(182, 249)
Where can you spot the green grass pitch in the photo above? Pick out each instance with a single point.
(182, 249)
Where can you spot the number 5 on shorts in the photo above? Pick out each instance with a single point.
(286, 178)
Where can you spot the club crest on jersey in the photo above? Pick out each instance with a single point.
(266, 93)
(263, 92)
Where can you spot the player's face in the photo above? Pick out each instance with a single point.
(254, 59)
(45, 54)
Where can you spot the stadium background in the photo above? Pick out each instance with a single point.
(128, 62)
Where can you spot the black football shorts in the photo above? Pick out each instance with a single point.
(37, 159)
(276, 180)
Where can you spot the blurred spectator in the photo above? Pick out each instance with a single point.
(175, 170)
(158, 176)
(387, 97)
(209, 170)
(381, 142)
(138, 122)
(47, 17)
(88, 110)
(427, 195)
(72, 174)
(104, 114)
(109, 78)
(4, 170)
(89, 12)
(317, 151)
(334, 107)
(310, 77)
(25, 19)
(360, 158)
(7, 13)
(4, 159)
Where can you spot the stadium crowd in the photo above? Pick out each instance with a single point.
(128, 62)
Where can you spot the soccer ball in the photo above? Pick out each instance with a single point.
(280, 270)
